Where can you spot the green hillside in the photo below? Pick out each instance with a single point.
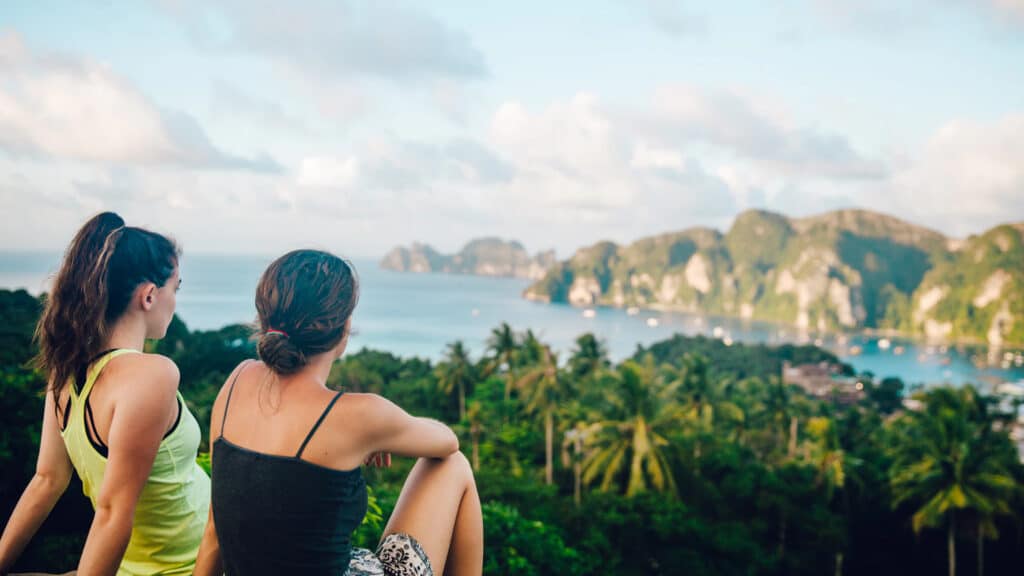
(846, 269)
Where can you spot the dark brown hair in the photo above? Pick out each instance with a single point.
(304, 300)
(102, 267)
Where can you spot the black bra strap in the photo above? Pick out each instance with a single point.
(227, 401)
(317, 425)
(81, 373)
(62, 418)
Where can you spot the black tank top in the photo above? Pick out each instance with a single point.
(283, 515)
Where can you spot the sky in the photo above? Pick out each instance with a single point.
(252, 126)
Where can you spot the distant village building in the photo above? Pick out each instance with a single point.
(823, 381)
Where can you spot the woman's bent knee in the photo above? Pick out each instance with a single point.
(456, 464)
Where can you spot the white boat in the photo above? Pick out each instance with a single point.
(717, 331)
(884, 344)
(1011, 389)
(727, 341)
(632, 311)
(652, 322)
(589, 313)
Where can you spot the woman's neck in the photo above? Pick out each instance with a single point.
(316, 371)
(127, 333)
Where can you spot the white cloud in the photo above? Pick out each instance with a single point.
(81, 110)
(969, 176)
(583, 170)
(336, 37)
(645, 156)
(1014, 9)
(888, 18)
(328, 172)
(750, 129)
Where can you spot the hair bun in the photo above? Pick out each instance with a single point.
(280, 353)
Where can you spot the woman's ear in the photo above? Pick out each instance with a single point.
(147, 295)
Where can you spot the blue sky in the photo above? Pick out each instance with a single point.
(254, 127)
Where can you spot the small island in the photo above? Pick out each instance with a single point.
(480, 257)
(841, 270)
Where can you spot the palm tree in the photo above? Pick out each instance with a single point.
(702, 398)
(589, 358)
(780, 409)
(502, 346)
(640, 413)
(543, 386)
(949, 460)
(573, 452)
(824, 452)
(456, 374)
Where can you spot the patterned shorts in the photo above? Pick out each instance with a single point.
(397, 555)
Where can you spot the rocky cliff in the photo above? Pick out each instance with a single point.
(846, 269)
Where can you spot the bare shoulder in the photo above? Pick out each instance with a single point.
(376, 414)
(155, 369)
(232, 378)
(218, 403)
(372, 406)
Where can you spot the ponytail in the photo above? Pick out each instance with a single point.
(102, 266)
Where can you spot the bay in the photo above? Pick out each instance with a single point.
(419, 314)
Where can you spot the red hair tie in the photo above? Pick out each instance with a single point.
(281, 332)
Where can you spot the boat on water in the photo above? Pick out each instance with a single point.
(884, 344)
(717, 331)
(652, 322)
(589, 313)
(632, 311)
(1011, 389)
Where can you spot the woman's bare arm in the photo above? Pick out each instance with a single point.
(391, 429)
(137, 427)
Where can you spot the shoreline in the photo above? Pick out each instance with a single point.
(811, 334)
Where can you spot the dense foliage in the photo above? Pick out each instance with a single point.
(690, 457)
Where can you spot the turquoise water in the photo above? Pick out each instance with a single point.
(418, 314)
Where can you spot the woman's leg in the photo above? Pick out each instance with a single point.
(440, 508)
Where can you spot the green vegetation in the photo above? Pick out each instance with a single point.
(984, 263)
(841, 270)
(691, 457)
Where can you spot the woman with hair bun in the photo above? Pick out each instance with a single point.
(288, 489)
(114, 413)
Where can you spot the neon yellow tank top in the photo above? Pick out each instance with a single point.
(172, 510)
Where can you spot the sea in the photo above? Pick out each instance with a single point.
(420, 314)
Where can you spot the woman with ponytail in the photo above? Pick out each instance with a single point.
(288, 490)
(113, 413)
